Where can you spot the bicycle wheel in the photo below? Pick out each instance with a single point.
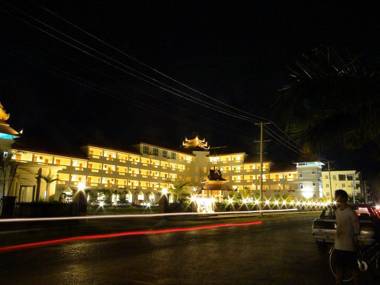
(347, 276)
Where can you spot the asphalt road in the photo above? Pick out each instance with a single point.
(280, 251)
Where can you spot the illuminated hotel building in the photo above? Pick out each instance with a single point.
(141, 174)
(143, 171)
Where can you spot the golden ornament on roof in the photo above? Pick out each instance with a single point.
(196, 143)
(4, 116)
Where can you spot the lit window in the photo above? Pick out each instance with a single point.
(155, 151)
(342, 177)
(145, 149)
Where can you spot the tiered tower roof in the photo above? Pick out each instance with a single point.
(195, 143)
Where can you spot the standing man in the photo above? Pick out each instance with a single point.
(347, 231)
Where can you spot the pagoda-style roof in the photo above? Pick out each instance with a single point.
(6, 132)
(195, 143)
(6, 129)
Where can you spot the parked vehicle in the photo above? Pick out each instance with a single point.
(324, 227)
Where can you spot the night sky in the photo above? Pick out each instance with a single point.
(234, 52)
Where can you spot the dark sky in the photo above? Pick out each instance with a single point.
(234, 52)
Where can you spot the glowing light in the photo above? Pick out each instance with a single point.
(193, 198)
(6, 136)
(276, 202)
(123, 234)
(138, 216)
(377, 207)
(257, 201)
(164, 191)
(230, 200)
(284, 202)
(205, 205)
(267, 202)
(81, 186)
(148, 205)
(115, 199)
(101, 204)
(307, 192)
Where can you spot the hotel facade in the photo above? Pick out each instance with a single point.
(142, 172)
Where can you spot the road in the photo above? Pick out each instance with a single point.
(279, 251)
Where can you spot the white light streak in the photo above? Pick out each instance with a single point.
(100, 217)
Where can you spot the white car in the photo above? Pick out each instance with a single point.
(324, 227)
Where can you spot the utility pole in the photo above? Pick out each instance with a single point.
(329, 170)
(261, 142)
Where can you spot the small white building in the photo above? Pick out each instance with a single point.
(347, 180)
(309, 179)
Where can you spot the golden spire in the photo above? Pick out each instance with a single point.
(4, 116)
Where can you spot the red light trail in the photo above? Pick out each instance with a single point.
(123, 234)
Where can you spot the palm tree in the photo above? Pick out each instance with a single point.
(180, 192)
(330, 103)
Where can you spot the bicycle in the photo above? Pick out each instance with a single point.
(368, 258)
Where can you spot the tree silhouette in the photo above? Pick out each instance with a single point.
(331, 102)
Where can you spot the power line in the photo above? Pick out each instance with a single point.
(163, 74)
(111, 93)
(140, 76)
(149, 66)
(167, 88)
(283, 143)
